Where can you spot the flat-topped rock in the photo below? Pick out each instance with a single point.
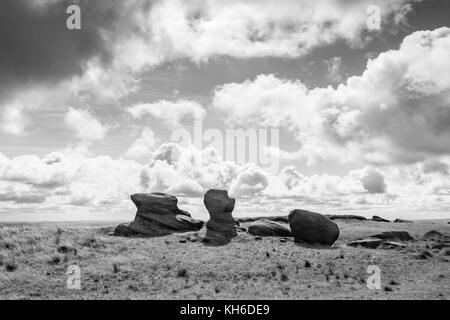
(345, 217)
(157, 215)
(394, 235)
(392, 245)
(366, 243)
(312, 228)
(402, 221)
(221, 227)
(268, 228)
(373, 243)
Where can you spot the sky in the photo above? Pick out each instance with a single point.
(342, 116)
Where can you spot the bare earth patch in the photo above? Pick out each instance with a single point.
(34, 259)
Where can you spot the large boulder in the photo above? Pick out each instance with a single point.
(157, 215)
(312, 228)
(221, 227)
(394, 235)
(268, 228)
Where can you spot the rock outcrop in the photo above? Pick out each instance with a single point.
(283, 219)
(402, 221)
(376, 244)
(268, 228)
(366, 243)
(312, 228)
(394, 235)
(379, 219)
(383, 240)
(157, 215)
(432, 235)
(221, 227)
(345, 217)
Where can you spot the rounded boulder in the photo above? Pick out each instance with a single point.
(312, 228)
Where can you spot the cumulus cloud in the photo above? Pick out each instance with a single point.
(250, 181)
(171, 113)
(373, 180)
(396, 111)
(67, 178)
(121, 40)
(187, 170)
(143, 147)
(203, 29)
(85, 126)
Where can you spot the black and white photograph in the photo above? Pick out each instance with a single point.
(224, 150)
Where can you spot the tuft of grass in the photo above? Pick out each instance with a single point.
(9, 244)
(11, 265)
(58, 234)
(182, 273)
(66, 249)
(54, 260)
(91, 241)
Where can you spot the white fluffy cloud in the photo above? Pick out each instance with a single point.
(171, 113)
(143, 147)
(67, 178)
(62, 181)
(397, 110)
(202, 29)
(85, 126)
(147, 34)
(250, 181)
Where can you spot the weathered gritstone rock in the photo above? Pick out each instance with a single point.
(157, 215)
(392, 245)
(221, 227)
(366, 243)
(432, 235)
(373, 243)
(345, 217)
(402, 221)
(268, 228)
(379, 219)
(312, 228)
(394, 235)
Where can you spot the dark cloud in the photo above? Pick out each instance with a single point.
(37, 47)
(22, 198)
(434, 166)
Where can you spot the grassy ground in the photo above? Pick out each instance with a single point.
(34, 260)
